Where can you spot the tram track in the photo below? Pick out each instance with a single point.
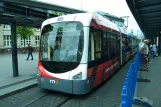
(34, 96)
(106, 94)
(39, 99)
(35, 100)
(65, 101)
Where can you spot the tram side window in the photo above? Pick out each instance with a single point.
(123, 44)
(95, 44)
(126, 44)
(109, 44)
(105, 44)
(130, 44)
(118, 45)
(114, 45)
(91, 47)
(98, 42)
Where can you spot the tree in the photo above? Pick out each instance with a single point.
(58, 13)
(24, 32)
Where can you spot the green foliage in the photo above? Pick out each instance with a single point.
(61, 13)
(24, 32)
(58, 13)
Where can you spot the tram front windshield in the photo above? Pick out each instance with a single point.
(62, 42)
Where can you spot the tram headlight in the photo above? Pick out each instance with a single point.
(77, 76)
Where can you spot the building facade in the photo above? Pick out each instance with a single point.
(5, 38)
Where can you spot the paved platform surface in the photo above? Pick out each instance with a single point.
(27, 73)
(152, 89)
(107, 95)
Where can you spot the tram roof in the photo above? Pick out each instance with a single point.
(85, 19)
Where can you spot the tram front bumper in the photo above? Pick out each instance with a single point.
(77, 87)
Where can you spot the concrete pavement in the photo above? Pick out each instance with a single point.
(152, 89)
(27, 73)
(108, 95)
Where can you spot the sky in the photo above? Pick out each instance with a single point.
(117, 8)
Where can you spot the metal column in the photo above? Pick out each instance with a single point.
(14, 49)
(156, 40)
(159, 44)
(47, 14)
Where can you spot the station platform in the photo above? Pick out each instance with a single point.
(27, 73)
(151, 87)
(106, 95)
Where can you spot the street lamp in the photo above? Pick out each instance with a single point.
(126, 19)
(81, 5)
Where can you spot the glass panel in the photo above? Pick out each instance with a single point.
(4, 43)
(98, 41)
(7, 43)
(105, 47)
(4, 37)
(98, 55)
(62, 42)
(22, 43)
(7, 37)
(91, 46)
(98, 44)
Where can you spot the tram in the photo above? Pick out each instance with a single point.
(79, 51)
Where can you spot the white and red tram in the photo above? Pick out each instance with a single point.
(80, 51)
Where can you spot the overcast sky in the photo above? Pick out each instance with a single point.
(115, 7)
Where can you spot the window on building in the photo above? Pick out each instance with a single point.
(27, 41)
(37, 39)
(7, 40)
(38, 29)
(6, 26)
